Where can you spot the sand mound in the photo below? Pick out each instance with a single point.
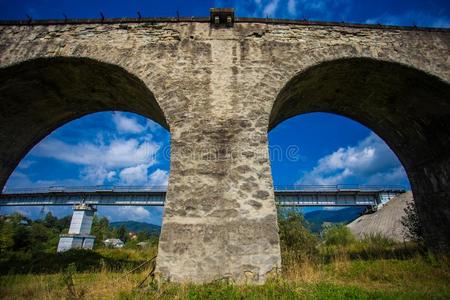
(385, 221)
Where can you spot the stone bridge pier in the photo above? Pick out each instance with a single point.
(220, 218)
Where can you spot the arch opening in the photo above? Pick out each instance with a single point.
(93, 166)
(409, 109)
(347, 174)
(40, 95)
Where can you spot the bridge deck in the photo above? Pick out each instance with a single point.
(335, 195)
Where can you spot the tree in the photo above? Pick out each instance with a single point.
(6, 235)
(63, 223)
(295, 238)
(413, 227)
(143, 235)
(22, 238)
(122, 233)
(338, 235)
(50, 221)
(100, 228)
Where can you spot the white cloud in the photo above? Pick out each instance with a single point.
(121, 213)
(25, 164)
(126, 124)
(136, 175)
(159, 178)
(332, 208)
(104, 159)
(97, 175)
(270, 8)
(118, 153)
(21, 180)
(393, 176)
(369, 162)
(18, 179)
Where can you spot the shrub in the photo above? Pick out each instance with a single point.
(338, 235)
(413, 227)
(295, 238)
(378, 240)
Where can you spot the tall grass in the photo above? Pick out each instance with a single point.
(336, 266)
(338, 276)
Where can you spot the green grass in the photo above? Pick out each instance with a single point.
(417, 277)
(85, 261)
(338, 267)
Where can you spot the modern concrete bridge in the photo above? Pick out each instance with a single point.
(219, 84)
(85, 200)
(286, 196)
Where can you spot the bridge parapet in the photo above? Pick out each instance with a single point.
(292, 196)
(163, 188)
(87, 189)
(339, 187)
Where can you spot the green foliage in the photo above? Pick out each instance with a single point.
(101, 231)
(67, 277)
(134, 226)
(339, 267)
(30, 247)
(337, 235)
(20, 262)
(6, 236)
(296, 241)
(50, 221)
(122, 233)
(18, 233)
(411, 221)
(144, 236)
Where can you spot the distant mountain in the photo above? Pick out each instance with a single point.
(137, 226)
(344, 215)
(315, 218)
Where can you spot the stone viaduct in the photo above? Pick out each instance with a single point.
(219, 90)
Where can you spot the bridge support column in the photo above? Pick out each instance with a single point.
(220, 218)
(80, 229)
(431, 189)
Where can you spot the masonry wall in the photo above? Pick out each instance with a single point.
(216, 88)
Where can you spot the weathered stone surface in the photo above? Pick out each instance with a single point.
(215, 89)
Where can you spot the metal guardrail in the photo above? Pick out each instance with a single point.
(162, 188)
(339, 187)
(288, 195)
(85, 189)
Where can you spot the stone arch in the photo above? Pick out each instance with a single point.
(40, 95)
(406, 107)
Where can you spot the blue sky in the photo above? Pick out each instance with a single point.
(127, 149)
(118, 148)
(433, 13)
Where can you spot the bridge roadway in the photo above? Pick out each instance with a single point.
(287, 196)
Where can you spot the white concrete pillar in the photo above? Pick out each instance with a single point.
(79, 235)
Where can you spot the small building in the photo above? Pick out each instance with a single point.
(132, 235)
(113, 243)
